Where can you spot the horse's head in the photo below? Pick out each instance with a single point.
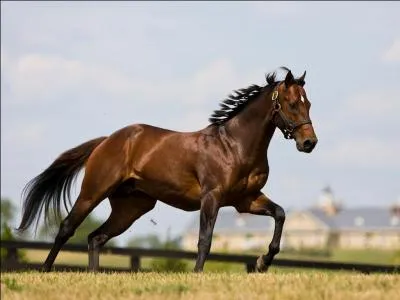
(292, 112)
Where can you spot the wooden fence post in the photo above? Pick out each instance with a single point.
(135, 263)
(250, 267)
(12, 255)
(11, 260)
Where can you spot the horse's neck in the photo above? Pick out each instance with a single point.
(253, 128)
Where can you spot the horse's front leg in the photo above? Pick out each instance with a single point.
(208, 216)
(260, 204)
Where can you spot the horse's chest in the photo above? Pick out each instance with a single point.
(251, 183)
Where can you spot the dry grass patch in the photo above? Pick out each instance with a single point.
(274, 285)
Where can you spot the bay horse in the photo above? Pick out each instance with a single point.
(223, 164)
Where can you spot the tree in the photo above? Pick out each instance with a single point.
(149, 241)
(7, 211)
(169, 264)
(81, 234)
(396, 258)
(152, 241)
(7, 216)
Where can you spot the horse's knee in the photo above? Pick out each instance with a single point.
(280, 215)
(95, 241)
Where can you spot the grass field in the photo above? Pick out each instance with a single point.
(220, 281)
(311, 285)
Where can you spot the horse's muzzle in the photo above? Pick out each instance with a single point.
(307, 145)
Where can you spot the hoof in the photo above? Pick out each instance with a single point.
(261, 267)
(44, 269)
(196, 270)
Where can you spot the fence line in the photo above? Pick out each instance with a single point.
(11, 262)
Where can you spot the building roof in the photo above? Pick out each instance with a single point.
(363, 218)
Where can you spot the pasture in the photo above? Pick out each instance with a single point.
(273, 285)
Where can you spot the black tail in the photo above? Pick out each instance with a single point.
(47, 188)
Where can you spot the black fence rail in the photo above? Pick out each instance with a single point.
(11, 262)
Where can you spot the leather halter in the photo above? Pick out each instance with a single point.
(290, 126)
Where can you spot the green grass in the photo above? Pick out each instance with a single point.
(311, 285)
(367, 256)
(75, 258)
(370, 256)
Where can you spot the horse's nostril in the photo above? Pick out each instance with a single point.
(307, 144)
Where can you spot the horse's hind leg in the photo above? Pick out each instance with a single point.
(93, 191)
(126, 209)
(82, 207)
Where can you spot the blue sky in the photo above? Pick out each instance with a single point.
(73, 71)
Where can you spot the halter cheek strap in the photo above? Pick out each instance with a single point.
(290, 126)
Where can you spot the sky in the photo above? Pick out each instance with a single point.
(73, 71)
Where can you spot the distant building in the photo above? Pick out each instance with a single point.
(356, 228)
(326, 225)
(233, 231)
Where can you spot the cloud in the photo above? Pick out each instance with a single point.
(278, 9)
(37, 77)
(4, 59)
(393, 53)
(365, 152)
(216, 80)
(25, 135)
(373, 104)
(44, 78)
(359, 133)
(191, 121)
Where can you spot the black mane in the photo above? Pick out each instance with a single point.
(235, 103)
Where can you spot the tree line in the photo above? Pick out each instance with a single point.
(48, 232)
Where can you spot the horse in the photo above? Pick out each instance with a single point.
(223, 164)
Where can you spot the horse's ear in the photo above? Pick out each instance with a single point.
(301, 79)
(289, 80)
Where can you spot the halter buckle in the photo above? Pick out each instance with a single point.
(275, 95)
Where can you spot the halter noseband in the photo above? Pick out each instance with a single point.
(290, 126)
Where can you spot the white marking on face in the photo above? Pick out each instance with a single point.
(302, 99)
